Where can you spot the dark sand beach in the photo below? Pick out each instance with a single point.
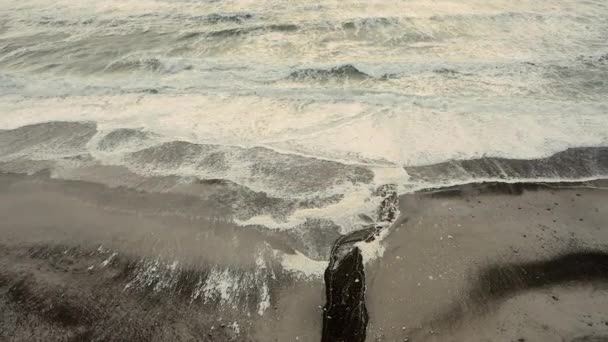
(499, 262)
(495, 262)
(82, 261)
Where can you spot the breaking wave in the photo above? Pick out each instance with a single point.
(571, 164)
(265, 187)
(342, 72)
(130, 64)
(306, 108)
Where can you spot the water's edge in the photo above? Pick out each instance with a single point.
(345, 316)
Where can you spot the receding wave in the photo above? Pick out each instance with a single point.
(124, 138)
(150, 154)
(573, 163)
(282, 172)
(147, 154)
(240, 182)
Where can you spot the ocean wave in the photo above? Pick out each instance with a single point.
(342, 72)
(571, 164)
(46, 140)
(371, 22)
(597, 60)
(240, 31)
(235, 32)
(50, 21)
(274, 172)
(226, 176)
(259, 186)
(123, 139)
(257, 167)
(237, 18)
(150, 64)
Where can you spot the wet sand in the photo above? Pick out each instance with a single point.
(494, 263)
(80, 261)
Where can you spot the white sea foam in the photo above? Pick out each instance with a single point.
(406, 135)
(344, 213)
(374, 249)
(106, 262)
(417, 137)
(301, 265)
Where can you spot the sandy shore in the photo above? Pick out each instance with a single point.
(482, 263)
(81, 261)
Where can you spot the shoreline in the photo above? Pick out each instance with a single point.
(508, 186)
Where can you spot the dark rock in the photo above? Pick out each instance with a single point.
(345, 315)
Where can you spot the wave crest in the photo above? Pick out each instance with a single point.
(342, 72)
(573, 163)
